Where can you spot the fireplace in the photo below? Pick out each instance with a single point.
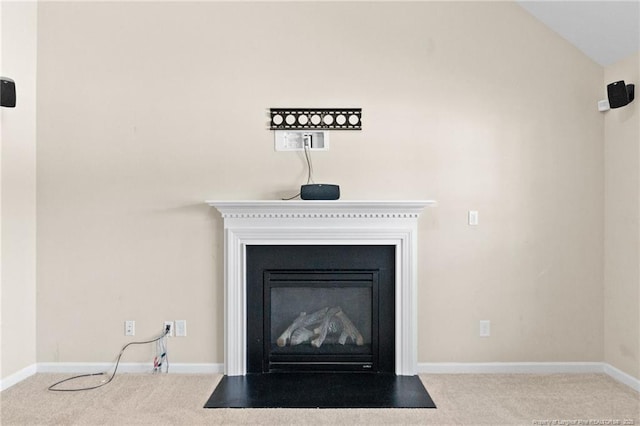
(317, 225)
(320, 308)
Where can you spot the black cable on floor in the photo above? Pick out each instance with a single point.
(104, 373)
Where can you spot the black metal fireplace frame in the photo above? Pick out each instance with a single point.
(325, 265)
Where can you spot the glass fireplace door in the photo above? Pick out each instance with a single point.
(320, 320)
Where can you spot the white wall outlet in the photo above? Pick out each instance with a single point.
(485, 328)
(129, 328)
(473, 217)
(295, 140)
(170, 324)
(181, 328)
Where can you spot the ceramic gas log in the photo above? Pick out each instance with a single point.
(331, 325)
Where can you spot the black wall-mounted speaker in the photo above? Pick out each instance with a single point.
(7, 92)
(320, 191)
(620, 94)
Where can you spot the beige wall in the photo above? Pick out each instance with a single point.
(18, 191)
(622, 226)
(147, 109)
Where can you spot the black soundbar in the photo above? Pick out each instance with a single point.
(320, 191)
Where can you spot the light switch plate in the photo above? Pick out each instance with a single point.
(473, 217)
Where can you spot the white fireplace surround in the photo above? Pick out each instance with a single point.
(320, 223)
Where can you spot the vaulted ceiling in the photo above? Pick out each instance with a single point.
(606, 31)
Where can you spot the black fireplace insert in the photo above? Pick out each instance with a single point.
(320, 308)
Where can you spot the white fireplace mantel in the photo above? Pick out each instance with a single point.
(320, 223)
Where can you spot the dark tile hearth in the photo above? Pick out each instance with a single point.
(320, 390)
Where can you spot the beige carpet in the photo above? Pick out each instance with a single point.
(461, 399)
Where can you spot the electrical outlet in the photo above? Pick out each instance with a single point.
(485, 328)
(181, 328)
(170, 325)
(297, 140)
(129, 328)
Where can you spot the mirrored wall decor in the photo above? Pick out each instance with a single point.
(316, 118)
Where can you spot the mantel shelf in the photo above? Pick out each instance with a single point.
(320, 208)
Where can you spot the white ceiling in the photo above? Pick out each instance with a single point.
(606, 31)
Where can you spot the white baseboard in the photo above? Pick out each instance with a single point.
(622, 377)
(528, 368)
(197, 368)
(423, 368)
(509, 367)
(17, 377)
(126, 367)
